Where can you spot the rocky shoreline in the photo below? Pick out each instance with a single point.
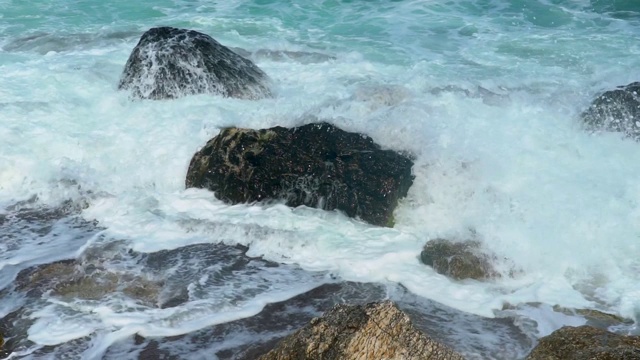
(317, 165)
(322, 166)
(340, 320)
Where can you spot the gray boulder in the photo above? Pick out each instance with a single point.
(617, 110)
(586, 343)
(169, 63)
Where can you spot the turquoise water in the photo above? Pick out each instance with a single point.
(501, 153)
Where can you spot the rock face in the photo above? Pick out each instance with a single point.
(373, 331)
(317, 165)
(586, 343)
(169, 63)
(458, 260)
(616, 110)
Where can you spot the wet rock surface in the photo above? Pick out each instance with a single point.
(317, 165)
(169, 63)
(72, 279)
(616, 110)
(474, 337)
(12, 337)
(458, 260)
(586, 343)
(595, 318)
(177, 278)
(372, 331)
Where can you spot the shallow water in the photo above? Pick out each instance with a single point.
(485, 94)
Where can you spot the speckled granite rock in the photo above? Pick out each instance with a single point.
(586, 343)
(360, 332)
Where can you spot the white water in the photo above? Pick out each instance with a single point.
(562, 205)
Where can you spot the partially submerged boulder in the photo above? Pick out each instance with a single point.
(617, 110)
(458, 260)
(317, 165)
(372, 331)
(595, 318)
(169, 63)
(70, 279)
(586, 343)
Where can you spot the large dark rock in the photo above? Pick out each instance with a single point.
(372, 331)
(586, 343)
(616, 110)
(168, 63)
(458, 260)
(318, 165)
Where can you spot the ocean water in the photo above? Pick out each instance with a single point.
(486, 94)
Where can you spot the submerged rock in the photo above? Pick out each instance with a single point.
(616, 110)
(14, 327)
(586, 343)
(472, 336)
(458, 260)
(69, 279)
(317, 165)
(169, 63)
(302, 57)
(595, 318)
(372, 331)
(488, 97)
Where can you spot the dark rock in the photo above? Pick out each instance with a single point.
(13, 326)
(458, 260)
(586, 343)
(372, 331)
(169, 63)
(317, 165)
(617, 110)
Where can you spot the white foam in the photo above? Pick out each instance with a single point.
(561, 204)
(532, 185)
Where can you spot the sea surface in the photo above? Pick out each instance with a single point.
(105, 254)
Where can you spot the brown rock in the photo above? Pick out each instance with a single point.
(360, 332)
(69, 279)
(586, 343)
(458, 260)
